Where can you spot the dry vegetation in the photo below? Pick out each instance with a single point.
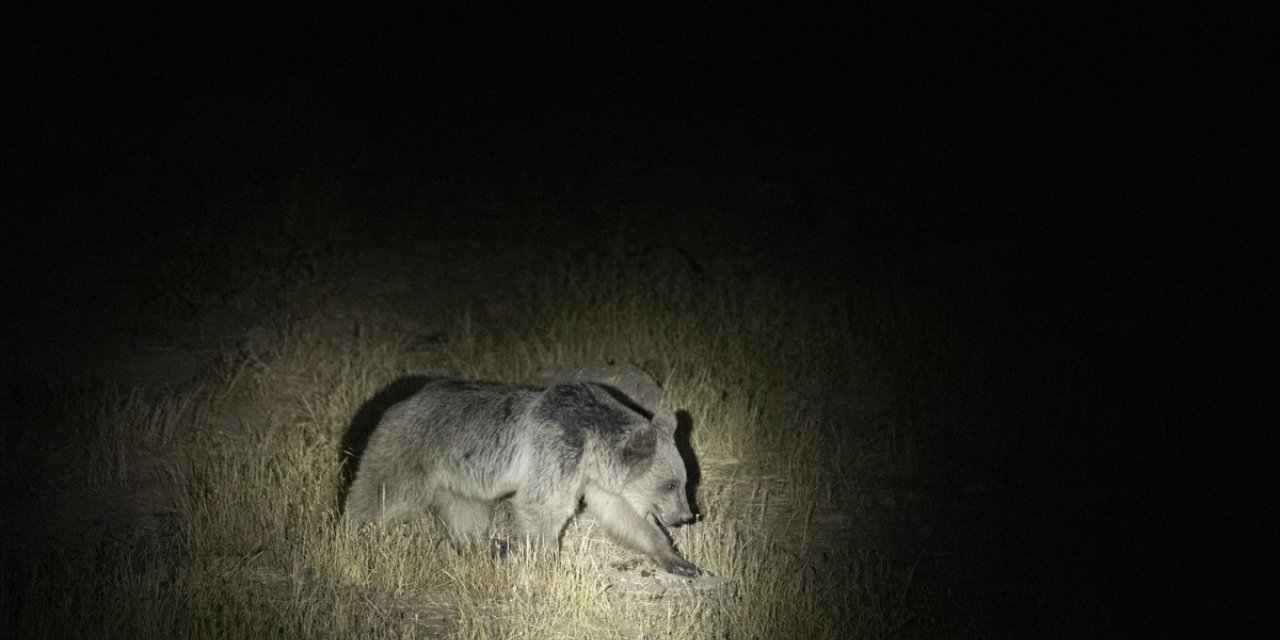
(211, 509)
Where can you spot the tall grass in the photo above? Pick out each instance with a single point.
(254, 545)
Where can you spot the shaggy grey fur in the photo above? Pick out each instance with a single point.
(635, 385)
(459, 446)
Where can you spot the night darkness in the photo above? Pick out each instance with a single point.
(1069, 185)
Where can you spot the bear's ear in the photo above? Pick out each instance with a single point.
(664, 418)
(639, 445)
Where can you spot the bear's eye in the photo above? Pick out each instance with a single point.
(670, 486)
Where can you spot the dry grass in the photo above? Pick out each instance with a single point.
(248, 541)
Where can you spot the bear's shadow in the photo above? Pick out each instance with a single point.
(684, 430)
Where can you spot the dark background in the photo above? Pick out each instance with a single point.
(1106, 172)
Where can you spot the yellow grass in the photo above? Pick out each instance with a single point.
(251, 544)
